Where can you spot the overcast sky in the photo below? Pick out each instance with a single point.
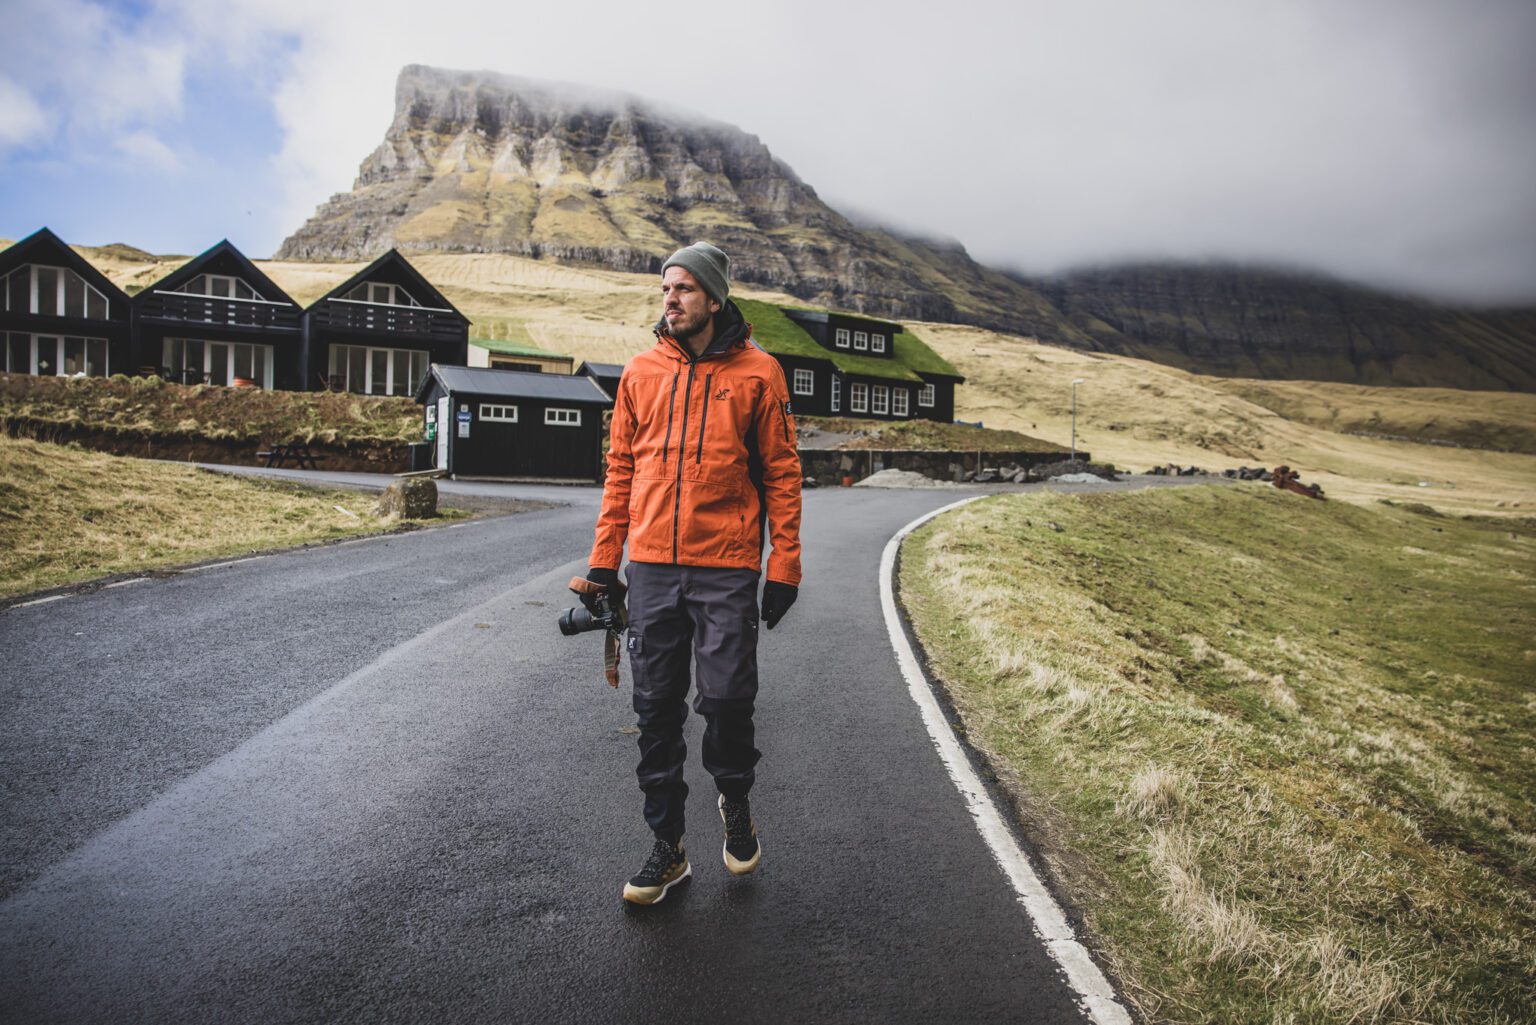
(1388, 141)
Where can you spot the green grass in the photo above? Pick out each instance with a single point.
(68, 515)
(778, 334)
(926, 435)
(151, 407)
(1280, 751)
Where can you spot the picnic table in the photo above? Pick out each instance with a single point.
(296, 452)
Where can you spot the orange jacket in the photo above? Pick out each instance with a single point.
(701, 453)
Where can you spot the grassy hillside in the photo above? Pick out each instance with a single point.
(1131, 412)
(1278, 750)
(67, 515)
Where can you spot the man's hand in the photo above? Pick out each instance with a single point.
(777, 598)
(607, 579)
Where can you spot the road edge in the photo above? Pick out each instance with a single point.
(1094, 991)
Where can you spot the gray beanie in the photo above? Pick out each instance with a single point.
(709, 265)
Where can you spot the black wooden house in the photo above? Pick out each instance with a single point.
(217, 319)
(605, 374)
(865, 368)
(59, 316)
(377, 332)
(487, 422)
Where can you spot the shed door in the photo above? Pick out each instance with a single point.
(444, 428)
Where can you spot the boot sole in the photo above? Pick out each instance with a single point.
(637, 896)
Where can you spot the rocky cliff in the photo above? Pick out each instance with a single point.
(482, 162)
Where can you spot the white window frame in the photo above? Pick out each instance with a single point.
(858, 397)
(420, 360)
(861, 341)
(837, 393)
(492, 412)
(51, 347)
(880, 399)
(840, 339)
(925, 397)
(900, 402)
(805, 381)
(877, 343)
(263, 356)
(64, 273)
(394, 295)
(556, 417)
(208, 279)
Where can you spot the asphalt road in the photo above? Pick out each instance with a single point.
(372, 782)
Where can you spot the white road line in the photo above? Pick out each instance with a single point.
(221, 565)
(125, 583)
(41, 601)
(1093, 989)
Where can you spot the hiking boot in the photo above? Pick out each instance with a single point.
(742, 851)
(665, 868)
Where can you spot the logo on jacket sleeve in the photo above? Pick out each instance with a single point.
(788, 410)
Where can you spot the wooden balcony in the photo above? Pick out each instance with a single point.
(253, 314)
(353, 317)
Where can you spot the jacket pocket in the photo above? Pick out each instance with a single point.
(710, 525)
(650, 518)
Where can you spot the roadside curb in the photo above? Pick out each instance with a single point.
(1095, 994)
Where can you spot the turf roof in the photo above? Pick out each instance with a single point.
(777, 334)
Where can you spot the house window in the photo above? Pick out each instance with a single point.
(805, 382)
(925, 395)
(220, 286)
(365, 370)
(499, 414)
(861, 340)
(563, 417)
(841, 338)
(55, 356)
(882, 400)
(837, 393)
(381, 293)
(877, 343)
(196, 361)
(858, 397)
(52, 292)
(899, 400)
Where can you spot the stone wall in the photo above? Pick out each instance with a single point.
(829, 467)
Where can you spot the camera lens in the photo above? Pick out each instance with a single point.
(575, 621)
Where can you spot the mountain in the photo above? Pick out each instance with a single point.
(484, 162)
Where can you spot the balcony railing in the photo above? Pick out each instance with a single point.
(181, 307)
(350, 316)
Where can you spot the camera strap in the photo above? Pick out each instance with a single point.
(613, 643)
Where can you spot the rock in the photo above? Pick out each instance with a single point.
(1022, 477)
(414, 498)
(809, 482)
(1078, 478)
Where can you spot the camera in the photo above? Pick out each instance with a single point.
(609, 616)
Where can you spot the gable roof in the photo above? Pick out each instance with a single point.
(513, 384)
(398, 266)
(504, 347)
(601, 369)
(43, 246)
(223, 252)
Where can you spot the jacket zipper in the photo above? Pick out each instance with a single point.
(668, 439)
(703, 420)
(682, 441)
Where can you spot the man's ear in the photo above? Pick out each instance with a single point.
(715, 307)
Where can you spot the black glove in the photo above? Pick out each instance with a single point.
(608, 579)
(777, 598)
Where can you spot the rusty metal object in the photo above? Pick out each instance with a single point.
(1288, 479)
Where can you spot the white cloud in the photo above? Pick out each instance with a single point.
(144, 151)
(21, 120)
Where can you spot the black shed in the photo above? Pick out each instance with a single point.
(605, 374)
(486, 422)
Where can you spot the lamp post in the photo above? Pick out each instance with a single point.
(1075, 382)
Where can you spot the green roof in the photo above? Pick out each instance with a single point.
(781, 336)
(506, 348)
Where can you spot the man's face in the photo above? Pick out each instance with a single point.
(684, 303)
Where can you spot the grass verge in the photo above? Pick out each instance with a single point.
(68, 515)
(929, 435)
(1279, 751)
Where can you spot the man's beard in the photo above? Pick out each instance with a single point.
(682, 332)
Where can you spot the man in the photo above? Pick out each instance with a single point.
(702, 456)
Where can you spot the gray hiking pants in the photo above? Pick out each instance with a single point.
(709, 614)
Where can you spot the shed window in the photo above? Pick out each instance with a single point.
(837, 393)
(861, 340)
(925, 396)
(499, 414)
(841, 338)
(805, 382)
(882, 400)
(899, 399)
(877, 343)
(858, 397)
(563, 417)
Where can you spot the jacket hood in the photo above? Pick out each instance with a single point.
(731, 331)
